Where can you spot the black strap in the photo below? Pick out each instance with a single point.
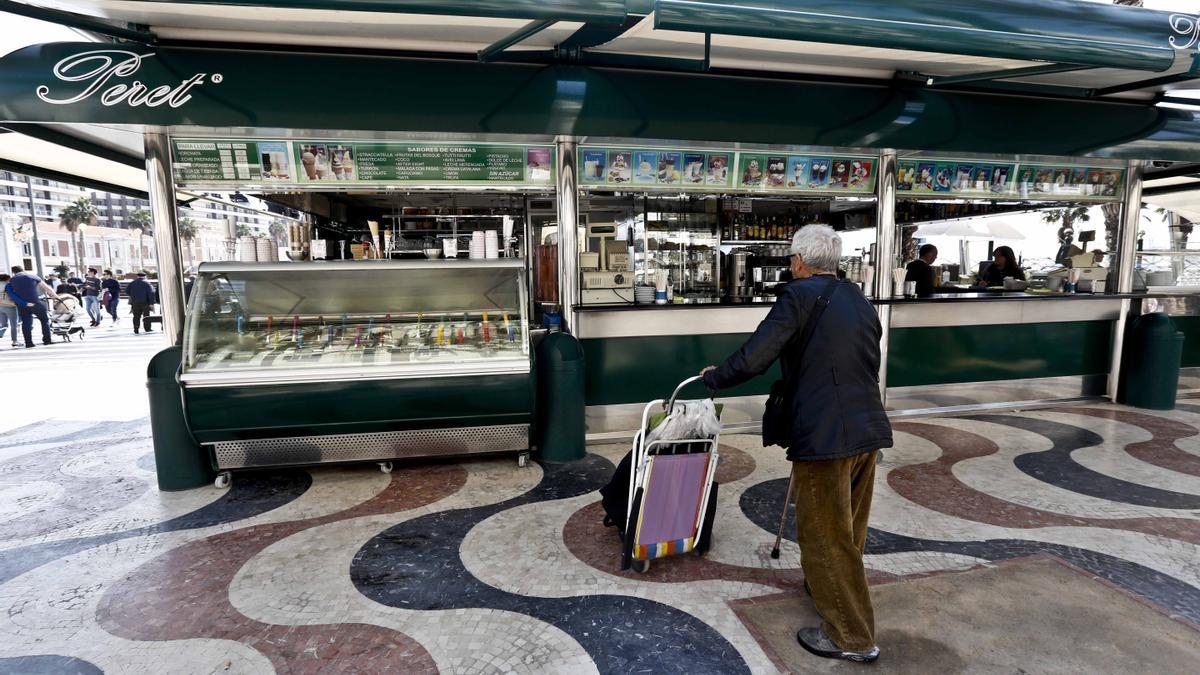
(822, 301)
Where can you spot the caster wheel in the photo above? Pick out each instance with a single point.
(385, 467)
(641, 566)
(224, 479)
(523, 459)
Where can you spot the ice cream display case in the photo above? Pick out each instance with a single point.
(312, 363)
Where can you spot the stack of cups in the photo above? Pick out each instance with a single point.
(491, 244)
(478, 247)
(898, 282)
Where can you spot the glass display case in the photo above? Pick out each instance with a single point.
(271, 323)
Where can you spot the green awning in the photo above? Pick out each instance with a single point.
(220, 89)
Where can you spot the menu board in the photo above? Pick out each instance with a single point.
(655, 168)
(304, 162)
(960, 178)
(216, 161)
(781, 172)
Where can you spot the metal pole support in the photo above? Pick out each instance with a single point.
(166, 234)
(1124, 264)
(885, 254)
(567, 187)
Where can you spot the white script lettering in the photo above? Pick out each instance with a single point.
(97, 69)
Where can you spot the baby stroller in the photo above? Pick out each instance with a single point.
(664, 488)
(66, 318)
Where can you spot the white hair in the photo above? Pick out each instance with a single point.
(819, 246)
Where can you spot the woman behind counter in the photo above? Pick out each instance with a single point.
(1004, 264)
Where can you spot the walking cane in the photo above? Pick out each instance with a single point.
(783, 516)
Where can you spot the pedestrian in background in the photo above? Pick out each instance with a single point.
(25, 289)
(141, 301)
(91, 296)
(53, 281)
(10, 317)
(828, 413)
(112, 294)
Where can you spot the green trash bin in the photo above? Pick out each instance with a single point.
(180, 462)
(559, 417)
(1150, 366)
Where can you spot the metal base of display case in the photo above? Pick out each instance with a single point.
(371, 447)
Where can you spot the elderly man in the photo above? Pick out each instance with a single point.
(25, 289)
(828, 413)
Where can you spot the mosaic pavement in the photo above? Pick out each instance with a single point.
(481, 566)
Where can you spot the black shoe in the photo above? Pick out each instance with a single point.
(817, 642)
(47, 342)
(135, 331)
(30, 346)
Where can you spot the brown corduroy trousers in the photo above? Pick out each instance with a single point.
(833, 504)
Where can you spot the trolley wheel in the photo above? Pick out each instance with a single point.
(523, 459)
(641, 566)
(223, 480)
(385, 467)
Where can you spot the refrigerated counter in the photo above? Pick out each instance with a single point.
(310, 363)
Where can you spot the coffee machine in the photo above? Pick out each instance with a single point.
(769, 269)
(739, 282)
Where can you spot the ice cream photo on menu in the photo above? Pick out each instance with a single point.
(718, 170)
(645, 167)
(314, 159)
(840, 177)
(818, 172)
(275, 160)
(797, 172)
(669, 164)
(593, 166)
(776, 171)
(693, 168)
(752, 171)
(538, 167)
(860, 173)
(620, 167)
(926, 173)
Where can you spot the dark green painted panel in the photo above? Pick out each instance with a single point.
(641, 369)
(949, 354)
(1190, 327)
(256, 89)
(226, 413)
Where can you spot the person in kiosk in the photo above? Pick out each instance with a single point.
(1004, 264)
(828, 414)
(921, 270)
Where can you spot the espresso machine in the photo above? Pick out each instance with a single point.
(769, 269)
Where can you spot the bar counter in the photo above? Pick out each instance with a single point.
(945, 350)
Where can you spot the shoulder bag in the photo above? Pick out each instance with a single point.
(776, 425)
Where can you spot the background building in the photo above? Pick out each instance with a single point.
(111, 243)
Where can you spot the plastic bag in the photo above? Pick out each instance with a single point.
(689, 420)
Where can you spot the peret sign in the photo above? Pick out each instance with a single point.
(99, 71)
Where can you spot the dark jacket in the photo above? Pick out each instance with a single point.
(833, 384)
(141, 292)
(91, 286)
(994, 276)
(112, 286)
(922, 273)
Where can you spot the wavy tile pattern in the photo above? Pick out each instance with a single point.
(485, 567)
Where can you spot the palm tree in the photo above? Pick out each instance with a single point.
(279, 230)
(79, 212)
(188, 232)
(139, 219)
